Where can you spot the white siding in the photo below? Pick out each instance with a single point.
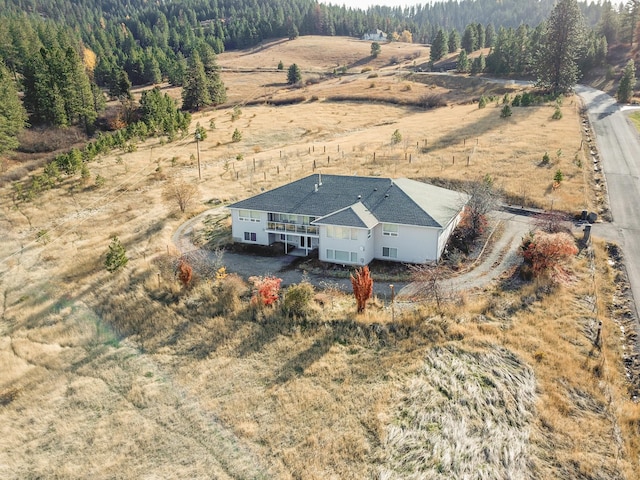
(239, 227)
(413, 244)
(362, 246)
(444, 236)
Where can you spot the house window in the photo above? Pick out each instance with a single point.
(329, 254)
(368, 233)
(390, 230)
(249, 236)
(354, 257)
(342, 256)
(389, 252)
(249, 215)
(343, 233)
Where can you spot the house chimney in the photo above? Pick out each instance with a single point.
(315, 187)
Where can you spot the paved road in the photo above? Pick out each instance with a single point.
(619, 148)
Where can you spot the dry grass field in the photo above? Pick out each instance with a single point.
(127, 375)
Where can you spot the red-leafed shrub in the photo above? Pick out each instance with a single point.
(184, 273)
(362, 287)
(547, 253)
(267, 290)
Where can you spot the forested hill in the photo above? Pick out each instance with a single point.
(241, 23)
(58, 52)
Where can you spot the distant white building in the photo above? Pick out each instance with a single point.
(352, 220)
(375, 35)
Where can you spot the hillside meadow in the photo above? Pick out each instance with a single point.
(129, 375)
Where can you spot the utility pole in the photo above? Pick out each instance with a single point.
(393, 297)
(198, 149)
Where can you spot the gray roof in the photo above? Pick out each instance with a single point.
(400, 201)
(355, 215)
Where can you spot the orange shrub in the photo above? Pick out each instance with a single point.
(362, 287)
(547, 253)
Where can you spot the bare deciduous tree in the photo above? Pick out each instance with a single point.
(430, 279)
(180, 192)
(482, 199)
(552, 222)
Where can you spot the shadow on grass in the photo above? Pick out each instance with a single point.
(296, 366)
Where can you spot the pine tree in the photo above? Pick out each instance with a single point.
(463, 62)
(439, 47)
(478, 65)
(195, 93)
(627, 83)
(177, 70)
(152, 73)
(217, 90)
(116, 256)
(489, 35)
(375, 49)
(470, 39)
(13, 116)
(454, 41)
(293, 74)
(556, 58)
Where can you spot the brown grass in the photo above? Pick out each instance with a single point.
(129, 375)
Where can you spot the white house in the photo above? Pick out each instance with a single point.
(352, 220)
(375, 35)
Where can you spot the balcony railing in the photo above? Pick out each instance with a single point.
(283, 227)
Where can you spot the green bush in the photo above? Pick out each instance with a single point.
(396, 137)
(505, 112)
(516, 101)
(546, 158)
(297, 299)
(237, 136)
(557, 114)
(559, 176)
(482, 102)
(116, 256)
(527, 99)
